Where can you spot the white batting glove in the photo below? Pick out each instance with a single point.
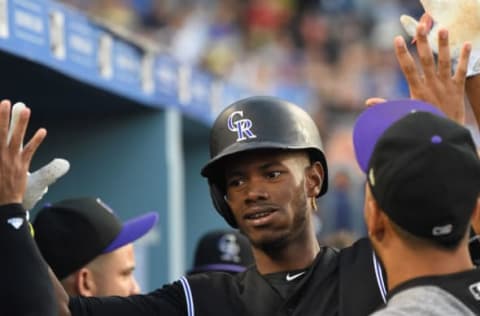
(462, 20)
(38, 181)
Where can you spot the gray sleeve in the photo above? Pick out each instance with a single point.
(424, 301)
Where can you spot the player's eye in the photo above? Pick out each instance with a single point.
(273, 174)
(235, 182)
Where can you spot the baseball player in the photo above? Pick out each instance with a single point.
(430, 84)
(423, 185)
(95, 255)
(266, 172)
(17, 246)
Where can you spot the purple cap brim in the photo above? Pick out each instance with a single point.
(371, 124)
(132, 230)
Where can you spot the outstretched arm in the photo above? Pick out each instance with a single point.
(26, 288)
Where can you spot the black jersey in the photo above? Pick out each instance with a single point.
(337, 283)
(26, 288)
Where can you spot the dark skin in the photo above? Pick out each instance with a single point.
(271, 195)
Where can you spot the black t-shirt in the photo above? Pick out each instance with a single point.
(337, 283)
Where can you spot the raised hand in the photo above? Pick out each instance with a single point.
(433, 82)
(38, 181)
(14, 158)
(461, 18)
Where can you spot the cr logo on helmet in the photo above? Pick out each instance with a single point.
(241, 126)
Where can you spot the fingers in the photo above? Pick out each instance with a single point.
(19, 129)
(425, 52)
(427, 20)
(32, 146)
(407, 63)
(462, 66)
(4, 121)
(444, 64)
(16, 110)
(374, 101)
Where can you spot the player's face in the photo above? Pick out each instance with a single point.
(113, 273)
(268, 195)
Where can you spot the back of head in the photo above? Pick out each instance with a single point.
(222, 250)
(259, 123)
(73, 232)
(424, 173)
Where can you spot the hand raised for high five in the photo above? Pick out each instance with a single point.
(14, 158)
(460, 18)
(38, 181)
(433, 82)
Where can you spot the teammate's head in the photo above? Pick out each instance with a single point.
(224, 250)
(88, 248)
(266, 170)
(423, 174)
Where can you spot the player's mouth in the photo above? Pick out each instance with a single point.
(260, 217)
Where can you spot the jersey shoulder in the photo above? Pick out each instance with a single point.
(362, 281)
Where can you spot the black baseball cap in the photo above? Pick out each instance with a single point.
(424, 171)
(73, 232)
(222, 250)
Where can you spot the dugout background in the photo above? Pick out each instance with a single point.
(135, 157)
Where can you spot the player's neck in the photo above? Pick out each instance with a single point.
(403, 264)
(297, 254)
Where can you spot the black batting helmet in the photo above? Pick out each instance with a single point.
(259, 123)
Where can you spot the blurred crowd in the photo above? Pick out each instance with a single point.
(328, 55)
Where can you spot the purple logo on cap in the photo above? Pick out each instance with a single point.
(436, 139)
(229, 247)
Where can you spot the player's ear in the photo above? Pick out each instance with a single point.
(314, 179)
(84, 282)
(476, 217)
(374, 217)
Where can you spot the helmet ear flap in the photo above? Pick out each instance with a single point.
(218, 198)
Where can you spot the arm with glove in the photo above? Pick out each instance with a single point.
(26, 288)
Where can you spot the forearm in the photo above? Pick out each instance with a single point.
(26, 288)
(473, 94)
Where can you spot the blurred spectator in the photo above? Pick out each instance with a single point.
(222, 250)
